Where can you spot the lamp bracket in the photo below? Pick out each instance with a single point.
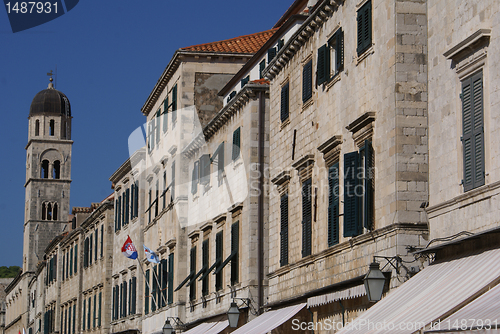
(394, 261)
(177, 322)
(248, 303)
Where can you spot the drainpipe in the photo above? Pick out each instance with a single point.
(312, 318)
(260, 205)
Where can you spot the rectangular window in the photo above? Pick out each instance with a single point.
(164, 194)
(192, 273)
(205, 259)
(76, 259)
(86, 253)
(158, 120)
(194, 177)
(165, 114)
(236, 143)
(127, 205)
(205, 163)
(364, 19)
(154, 289)
(284, 230)
(102, 240)
(359, 190)
(331, 57)
(284, 112)
(69, 319)
(170, 299)
(306, 217)
(88, 313)
(172, 184)
(124, 299)
(245, 80)
(96, 243)
(281, 43)
(219, 155)
(333, 205)
(174, 105)
(235, 245)
(94, 314)
(262, 67)
(99, 313)
(218, 258)
(473, 132)
(307, 81)
(271, 53)
(163, 282)
(146, 293)
(84, 309)
(74, 319)
(133, 300)
(91, 242)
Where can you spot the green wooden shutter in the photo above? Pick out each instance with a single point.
(351, 200)
(369, 187)
(235, 242)
(146, 293)
(245, 80)
(119, 212)
(99, 313)
(284, 102)
(96, 243)
(170, 278)
(339, 50)
(76, 259)
(124, 299)
(271, 53)
(236, 144)
(174, 105)
(323, 70)
(306, 218)
(262, 67)
(94, 315)
(158, 120)
(86, 253)
(192, 272)
(333, 205)
(281, 43)
(205, 259)
(219, 245)
(220, 163)
(84, 309)
(127, 205)
(284, 230)
(69, 320)
(102, 240)
(473, 132)
(364, 19)
(164, 280)
(307, 81)
(91, 242)
(88, 312)
(74, 319)
(71, 262)
(134, 294)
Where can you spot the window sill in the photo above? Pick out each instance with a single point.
(237, 163)
(285, 123)
(365, 54)
(333, 80)
(307, 104)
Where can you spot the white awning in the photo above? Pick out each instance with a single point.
(208, 328)
(481, 314)
(437, 290)
(353, 292)
(270, 320)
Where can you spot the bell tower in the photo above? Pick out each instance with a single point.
(48, 173)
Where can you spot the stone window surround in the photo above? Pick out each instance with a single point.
(331, 150)
(305, 167)
(362, 128)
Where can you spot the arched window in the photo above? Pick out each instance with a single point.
(45, 169)
(51, 127)
(49, 211)
(44, 211)
(56, 171)
(54, 211)
(37, 128)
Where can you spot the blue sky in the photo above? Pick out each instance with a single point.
(109, 55)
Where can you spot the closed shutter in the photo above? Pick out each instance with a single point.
(74, 319)
(94, 314)
(127, 205)
(236, 143)
(69, 320)
(71, 262)
(339, 50)
(91, 242)
(235, 242)
(364, 19)
(174, 105)
(96, 243)
(351, 201)
(205, 259)
(136, 204)
(281, 43)
(220, 163)
(88, 312)
(285, 101)
(124, 299)
(192, 268)
(84, 309)
(244, 81)
(262, 67)
(333, 205)
(102, 240)
(116, 215)
(306, 218)
(99, 313)
(307, 81)
(86, 253)
(134, 294)
(218, 258)
(146, 293)
(119, 226)
(205, 169)
(369, 187)
(473, 132)
(170, 278)
(271, 53)
(76, 259)
(284, 230)
(323, 71)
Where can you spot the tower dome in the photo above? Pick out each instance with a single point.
(50, 101)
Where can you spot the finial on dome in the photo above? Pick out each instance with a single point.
(51, 85)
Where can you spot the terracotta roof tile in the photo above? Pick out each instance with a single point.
(243, 44)
(261, 81)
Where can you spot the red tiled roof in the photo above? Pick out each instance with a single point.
(243, 44)
(261, 81)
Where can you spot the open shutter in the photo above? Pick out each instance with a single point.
(220, 162)
(205, 169)
(323, 71)
(351, 201)
(306, 218)
(192, 273)
(284, 230)
(369, 187)
(71, 262)
(333, 205)
(236, 143)
(170, 299)
(218, 258)
(339, 50)
(235, 242)
(284, 101)
(165, 114)
(245, 80)
(271, 53)
(262, 67)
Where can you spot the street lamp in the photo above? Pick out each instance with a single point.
(167, 328)
(233, 315)
(374, 282)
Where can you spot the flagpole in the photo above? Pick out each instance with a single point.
(140, 266)
(159, 286)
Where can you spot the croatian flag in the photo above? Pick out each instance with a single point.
(150, 255)
(129, 250)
